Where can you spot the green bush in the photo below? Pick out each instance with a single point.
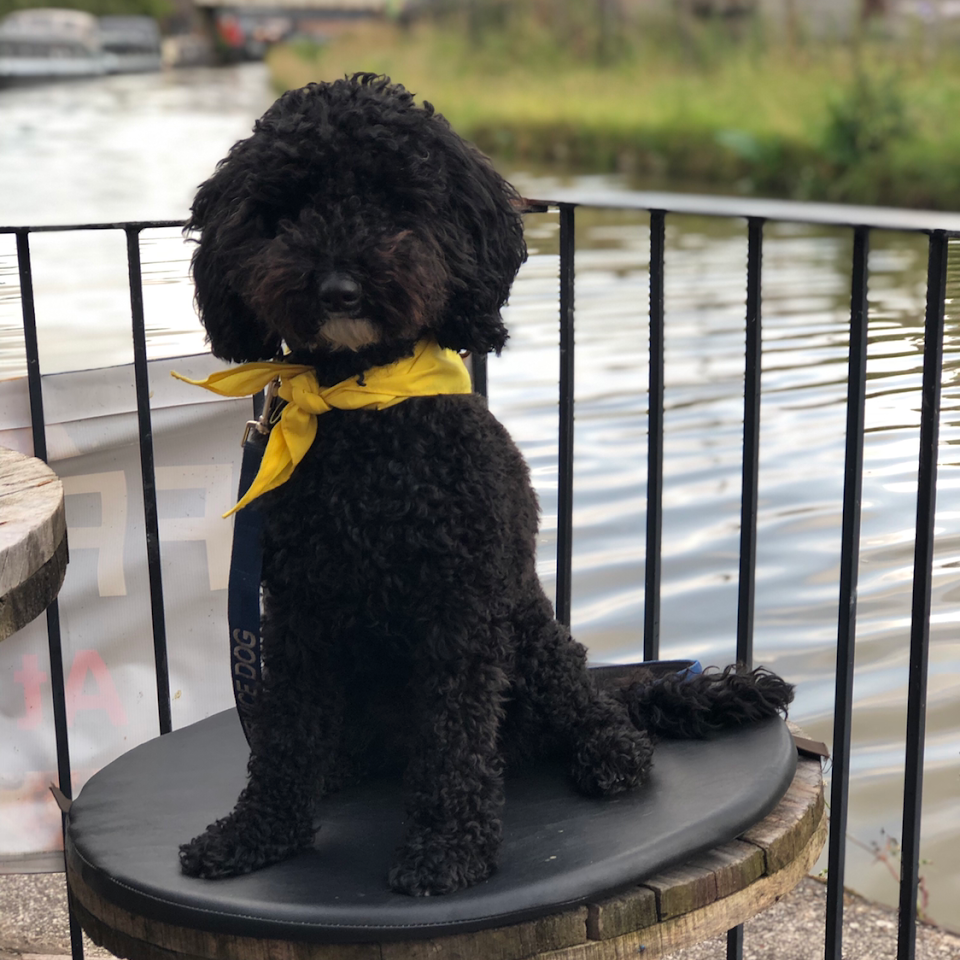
(870, 123)
(866, 120)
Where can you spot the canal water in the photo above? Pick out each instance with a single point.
(136, 147)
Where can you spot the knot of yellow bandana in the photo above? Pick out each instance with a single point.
(429, 372)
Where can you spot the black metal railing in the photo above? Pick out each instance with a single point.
(939, 227)
(651, 586)
(849, 568)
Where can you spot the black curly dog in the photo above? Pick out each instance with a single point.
(404, 623)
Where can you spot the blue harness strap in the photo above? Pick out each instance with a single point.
(243, 593)
(616, 674)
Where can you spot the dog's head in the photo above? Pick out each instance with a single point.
(353, 222)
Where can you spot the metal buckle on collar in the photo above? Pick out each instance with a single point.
(268, 417)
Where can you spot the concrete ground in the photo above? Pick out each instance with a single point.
(34, 926)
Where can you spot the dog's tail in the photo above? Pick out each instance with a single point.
(696, 706)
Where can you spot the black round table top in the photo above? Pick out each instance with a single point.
(559, 847)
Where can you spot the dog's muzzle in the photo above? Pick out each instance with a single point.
(347, 333)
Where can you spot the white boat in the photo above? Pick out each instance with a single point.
(50, 43)
(130, 44)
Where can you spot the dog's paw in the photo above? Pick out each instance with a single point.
(610, 760)
(233, 846)
(428, 866)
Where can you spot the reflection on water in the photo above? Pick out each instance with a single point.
(138, 147)
(127, 147)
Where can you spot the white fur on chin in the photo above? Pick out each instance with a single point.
(348, 333)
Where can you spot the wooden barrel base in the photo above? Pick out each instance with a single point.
(678, 907)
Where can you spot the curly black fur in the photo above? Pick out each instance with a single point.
(704, 704)
(404, 624)
(346, 176)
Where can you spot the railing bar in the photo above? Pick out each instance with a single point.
(735, 943)
(123, 225)
(35, 389)
(54, 637)
(849, 571)
(148, 479)
(31, 345)
(751, 471)
(751, 444)
(652, 562)
(58, 694)
(479, 369)
(922, 577)
(565, 478)
(784, 211)
(76, 931)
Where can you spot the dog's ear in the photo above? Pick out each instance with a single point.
(483, 241)
(229, 230)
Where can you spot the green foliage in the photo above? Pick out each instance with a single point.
(672, 100)
(100, 8)
(868, 148)
(548, 31)
(867, 119)
(306, 49)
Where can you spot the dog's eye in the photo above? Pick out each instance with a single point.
(394, 243)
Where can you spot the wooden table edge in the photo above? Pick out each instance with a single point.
(33, 544)
(25, 602)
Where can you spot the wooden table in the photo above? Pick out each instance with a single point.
(717, 890)
(678, 907)
(33, 539)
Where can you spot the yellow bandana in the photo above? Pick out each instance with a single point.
(430, 371)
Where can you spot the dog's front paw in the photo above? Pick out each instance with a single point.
(611, 760)
(235, 845)
(428, 865)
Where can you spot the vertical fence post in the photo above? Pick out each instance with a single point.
(651, 590)
(849, 570)
(751, 444)
(750, 475)
(565, 479)
(478, 368)
(54, 638)
(922, 576)
(31, 344)
(735, 943)
(148, 477)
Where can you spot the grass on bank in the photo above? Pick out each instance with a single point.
(874, 123)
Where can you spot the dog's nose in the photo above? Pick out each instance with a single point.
(339, 293)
